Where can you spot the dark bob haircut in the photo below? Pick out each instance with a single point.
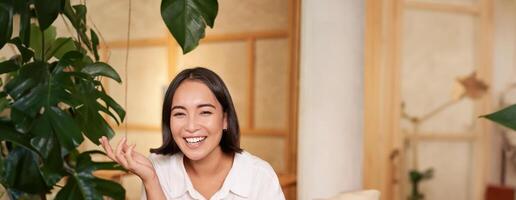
(230, 141)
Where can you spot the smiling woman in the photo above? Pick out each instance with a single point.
(200, 157)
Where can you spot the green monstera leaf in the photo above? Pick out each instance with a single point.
(89, 115)
(187, 19)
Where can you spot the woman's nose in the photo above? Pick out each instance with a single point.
(191, 125)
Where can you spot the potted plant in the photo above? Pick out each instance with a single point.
(52, 99)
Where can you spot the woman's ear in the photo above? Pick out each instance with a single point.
(225, 121)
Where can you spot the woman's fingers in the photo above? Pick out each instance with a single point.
(129, 155)
(123, 154)
(118, 153)
(107, 147)
(125, 146)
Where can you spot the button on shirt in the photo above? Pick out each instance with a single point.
(249, 178)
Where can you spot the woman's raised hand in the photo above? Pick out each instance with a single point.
(129, 159)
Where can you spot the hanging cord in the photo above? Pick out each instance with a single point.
(125, 68)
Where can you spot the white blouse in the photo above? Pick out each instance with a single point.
(249, 178)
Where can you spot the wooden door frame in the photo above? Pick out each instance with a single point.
(382, 136)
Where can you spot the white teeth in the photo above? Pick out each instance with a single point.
(195, 139)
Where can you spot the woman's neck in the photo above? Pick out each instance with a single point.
(215, 162)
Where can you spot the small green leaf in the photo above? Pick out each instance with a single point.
(505, 117)
(101, 69)
(80, 11)
(187, 19)
(47, 11)
(95, 43)
(6, 21)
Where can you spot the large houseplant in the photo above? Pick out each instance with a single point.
(52, 97)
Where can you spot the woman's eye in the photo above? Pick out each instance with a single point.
(178, 114)
(206, 113)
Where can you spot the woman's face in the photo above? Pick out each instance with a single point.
(197, 120)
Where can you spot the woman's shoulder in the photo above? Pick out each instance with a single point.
(256, 164)
(258, 177)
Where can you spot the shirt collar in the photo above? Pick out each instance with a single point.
(179, 188)
(238, 181)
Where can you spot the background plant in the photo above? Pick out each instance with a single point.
(52, 97)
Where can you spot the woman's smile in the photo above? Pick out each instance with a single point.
(195, 142)
(192, 140)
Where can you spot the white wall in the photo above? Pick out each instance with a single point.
(331, 96)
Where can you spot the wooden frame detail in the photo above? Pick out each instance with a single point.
(246, 36)
(471, 9)
(380, 95)
(449, 137)
(251, 50)
(484, 58)
(209, 39)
